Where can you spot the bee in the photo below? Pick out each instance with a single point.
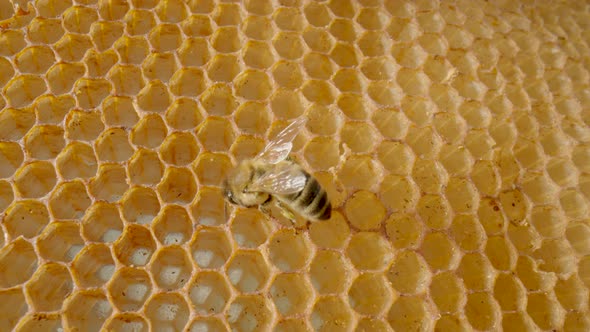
(273, 176)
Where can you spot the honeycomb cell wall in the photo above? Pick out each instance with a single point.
(452, 137)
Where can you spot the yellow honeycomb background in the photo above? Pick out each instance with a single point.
(452, 137)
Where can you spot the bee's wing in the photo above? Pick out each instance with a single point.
(280, 147)
(282, 180)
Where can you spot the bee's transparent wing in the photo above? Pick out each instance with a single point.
(280, 147)
(282, 180)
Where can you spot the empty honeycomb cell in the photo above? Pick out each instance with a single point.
(577, 235)
(140, 205)
(581, 157)
(139, 21)
(87, 310)
(112, 10)
(358, 136)
(44, 30)
(289, 104)
(172, 11)
(504, 134)
(351, 104)
(486, 178)
(104, 34)
(409, 273)
(14, 306)
(370, 294)
(171, 268)
(396, 157)
(410, 313)
(548, 220)
(61, 77)
(253, 118)
(77, 160)
(212, 168)
(423, 141)
(291, 293)
(450, 127)
(571, 293)
(437, 67)
(491, 217)
(331, 313)
(359, 172)
(44, 142)
(129, 288)
(515, 206)
(154, 97)
(209, 207)
(167, 311)
(26, 218)
(102, 223)
(531, 277)
(246, 147)
(335, 282)
(501, 253)
(216, 134)
(34, 59)
(439, 251)
(545, 311)
(447, 292)
(573, 204)
(184, 114)
(289, 19)
(35, 180)
(110, 183)
(248, 271)
(287, 74)
(343, 30)
(556, 255)
(462, 195)
(429, 175)
(135, 246)
(258, 55)
(159, 66)
(20, 256)
(332, 233)
(22, 90)
(318, 66)
(211, 248)
(509, 292)
(249, 313)
(253, 85)
(149, 132)
(60, 241)
(563, 172)
(187, 82)
(476, 271)
(479, 143)
(359, 214)
(119, 111)
(43, 298)
(209, 293)
(84, 126)
(113, 145)
(257, 28)
(529, 154)
(193, 52)
(94, 266)
(223, 68)
(219, 100)
(403, 230)
(345, 55)
(132, 50)
(179, 149)
(172, 225)
(69, 200)
(482, 311)
(226, 39)
(71, 47)
(98, 64)
(435, 212)
(289, 250)
(78, 19)
(11, 42)
(206, 323)
(318, 40)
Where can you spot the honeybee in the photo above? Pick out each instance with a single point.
(273, 176)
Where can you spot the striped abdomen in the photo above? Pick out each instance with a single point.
(311, 202)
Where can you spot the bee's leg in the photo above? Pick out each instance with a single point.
(286, 212)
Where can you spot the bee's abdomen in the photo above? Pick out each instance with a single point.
(313, 201)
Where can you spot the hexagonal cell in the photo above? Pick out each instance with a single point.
(132, 50)
(187, 82)
(98, 65)
(127, 322)
(209, 207)
(486, 178)
(571, 293)
(173, 225)
(119, 111)
(87, 310)
(45, 30)
(194, 51)
(25, 218)
(34, 59)
(216, 134)
(18, 96)
(334, 282)
(11, 157)
(14, 124)
(447, 292)
(94, 267)
(140, 205)
(165, 37)
(13, 306)
(331, 313)
(43, 298)
(226, 40)
(439, 251)
(184, 114)
(556, 255)
(224, 68)
(113, 145)
(167, 311)
(112, 10)
(291, 294)
(102, 223)
(179, 149)
(211, 248)
(127, 79)
(399, 193)
(562, 171)
(404, 230)
(145, 167)
(434, 211)
(477, 272)
(130, 288)
(60, 241)
(545, 311)
(84, 126)
(360, 172)
(35, 180)
(250, 228)
(501, 253)
(289, 250)
(135, 247)
(578, 237)
(287, 74)
(249, 313)
(69, 200)
(409, 273)
(456, 160)
(370, 294)
(21, 257)
(258, 27)
(171, 268)
(332, 233)
(369, 251)
(410, 314)
(509, 292)
(209, 293)
(574, 204)
(154, 97)
(288, 45)
(178, 186)
(322, 153)
(77, 160)
(110, 184)
(248, 271)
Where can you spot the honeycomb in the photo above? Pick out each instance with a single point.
(453, 139)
